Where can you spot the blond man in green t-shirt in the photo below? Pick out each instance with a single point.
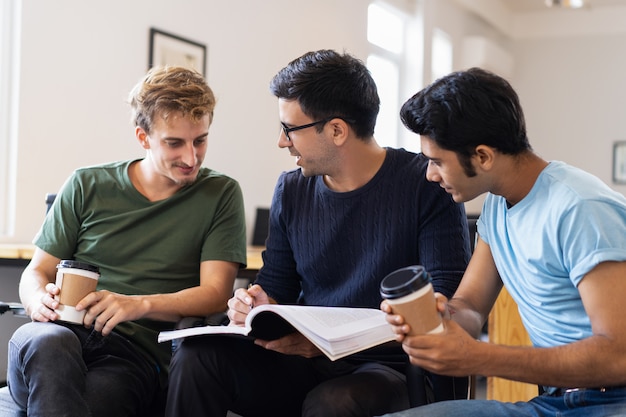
(168, 236)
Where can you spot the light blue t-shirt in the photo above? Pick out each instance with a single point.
(544, 245)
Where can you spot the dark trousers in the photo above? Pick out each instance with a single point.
(68, 370)
(214, 374)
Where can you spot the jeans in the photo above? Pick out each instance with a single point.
(68, 370)
(587, 403)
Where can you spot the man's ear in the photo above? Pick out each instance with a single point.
(485, 156)
(340, 130)
(142, 137)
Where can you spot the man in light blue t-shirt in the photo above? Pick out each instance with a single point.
(553, 235)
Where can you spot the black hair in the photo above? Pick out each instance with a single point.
(468, 108)
(328, 84)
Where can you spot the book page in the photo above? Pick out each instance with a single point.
(336, 331)
(333, 323)
(196, 331)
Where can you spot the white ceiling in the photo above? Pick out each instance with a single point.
(523, 6)
(533, 19)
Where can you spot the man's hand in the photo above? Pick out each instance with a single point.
(292, 344)
(43, 308)
(105, 310)
(400, 326)
(446, 353)
(243, 301)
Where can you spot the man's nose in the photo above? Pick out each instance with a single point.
(283, 140)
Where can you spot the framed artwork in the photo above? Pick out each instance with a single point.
(619, 162)
(170, 49)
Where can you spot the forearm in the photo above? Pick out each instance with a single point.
(542, 366)
(467, 318)
(211, 296)
(197, 301)
(32, 288)
(581, 364)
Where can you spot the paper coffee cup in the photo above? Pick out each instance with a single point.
(75, 280)
(409, 292)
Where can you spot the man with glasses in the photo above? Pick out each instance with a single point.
(350, 214)
(287, 130)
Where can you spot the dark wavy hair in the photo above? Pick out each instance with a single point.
(465, 109)
(329, 84)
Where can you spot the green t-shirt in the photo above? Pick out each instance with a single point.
(145, 247)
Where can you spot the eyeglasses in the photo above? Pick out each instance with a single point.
(287, 130)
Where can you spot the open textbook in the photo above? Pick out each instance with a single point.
(336, 331)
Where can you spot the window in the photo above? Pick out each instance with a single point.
(385, 28)
(389, 62)
(441, 63)
(386, 74)
(385, 33)
(10, 18)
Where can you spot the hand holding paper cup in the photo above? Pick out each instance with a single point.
(75, 280)
(409, 292)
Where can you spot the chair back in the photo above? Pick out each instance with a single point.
(261, 226)
(49, 200)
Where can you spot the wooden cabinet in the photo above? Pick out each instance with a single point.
(505, 327)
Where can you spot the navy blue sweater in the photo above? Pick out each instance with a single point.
(333, 249)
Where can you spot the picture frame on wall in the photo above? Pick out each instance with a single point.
(619, 162)
(169, 49)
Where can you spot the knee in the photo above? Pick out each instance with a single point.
(364, 393)
(43, 340)
(196, 355)
(37, 347)
(326, 401)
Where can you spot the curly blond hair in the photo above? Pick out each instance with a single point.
(168, 89)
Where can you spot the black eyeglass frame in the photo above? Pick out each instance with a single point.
(288, 130)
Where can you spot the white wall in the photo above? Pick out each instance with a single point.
(459, 22)
(573, 90)
(80, 59)
(569, 71)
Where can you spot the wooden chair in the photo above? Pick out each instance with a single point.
(506, 328)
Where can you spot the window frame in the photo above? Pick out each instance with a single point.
(10, 27)
(409, 64)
